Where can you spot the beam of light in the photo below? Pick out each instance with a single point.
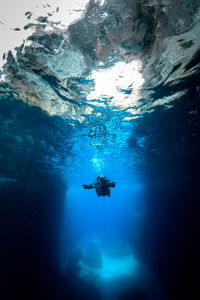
(97, 163)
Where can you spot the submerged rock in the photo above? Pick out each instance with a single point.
(163, 35)
(91, 256)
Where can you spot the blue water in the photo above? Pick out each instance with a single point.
(130, 245)
(59, 241)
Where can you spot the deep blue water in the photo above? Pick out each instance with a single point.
(59, 241)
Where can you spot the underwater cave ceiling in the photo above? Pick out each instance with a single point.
(50, 69)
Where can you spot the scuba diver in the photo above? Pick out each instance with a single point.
(102, 186)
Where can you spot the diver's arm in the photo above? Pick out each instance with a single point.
(112, 184)
(88, 186)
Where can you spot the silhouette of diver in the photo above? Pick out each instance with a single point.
(102, 185)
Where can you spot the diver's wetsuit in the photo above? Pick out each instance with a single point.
(102, 186)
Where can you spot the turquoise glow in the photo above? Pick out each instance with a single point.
(112, 267)
(118, 267)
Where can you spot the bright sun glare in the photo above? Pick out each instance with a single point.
(121, 83)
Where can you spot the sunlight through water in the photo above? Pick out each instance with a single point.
(98, 124)
(120, 83)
